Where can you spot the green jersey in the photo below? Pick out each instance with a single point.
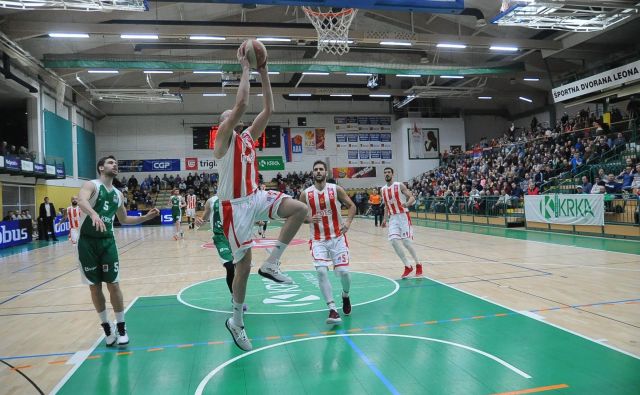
(175, 203)
(105, 203)
(214, 217)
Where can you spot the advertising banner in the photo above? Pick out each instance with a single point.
(12, 163)
(200, 163)
(270, 163)
(1, 162)
(39, 168)
(565, 209)
(385, 140)
(354, 172)
(26, 166)
(309, 142)
(296, 145)
(51, 170)
(320, 139)
(423, 143)
(60, 227)
(610, 78)
(13, 233)
(60, 171)
(148, 165)
(161, 165)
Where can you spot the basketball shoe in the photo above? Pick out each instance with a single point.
(110, 336)
(334, 318)
(418, 270)
(346, 305)
(407, 271)
(123, 337)
(272, 272)
(239, 335)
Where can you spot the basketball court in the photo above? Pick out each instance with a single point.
(493, 314)
(499, 310)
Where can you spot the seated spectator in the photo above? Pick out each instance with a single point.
(182, 187)
(586, 185)
(627, 178)
(611, 186)
(533, 189)
(10, 216)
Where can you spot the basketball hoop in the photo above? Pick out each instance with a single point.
(332, 28)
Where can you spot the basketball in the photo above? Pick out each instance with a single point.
(256, 53)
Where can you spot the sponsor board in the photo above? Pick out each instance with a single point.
(14, 233)
(565, 209)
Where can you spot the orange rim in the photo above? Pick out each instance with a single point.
(344, 12)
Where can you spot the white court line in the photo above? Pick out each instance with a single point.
(83, 357)
(546, 322)
(179, 297)
(215, 371)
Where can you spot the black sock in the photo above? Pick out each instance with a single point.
(231, 271)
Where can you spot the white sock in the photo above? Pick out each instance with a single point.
(345, 278)
(325, 285)
(332, 305)
(396, 246)
(237, 314)
(277, 251)
(119, 316)
(103, 316)
(409, 246)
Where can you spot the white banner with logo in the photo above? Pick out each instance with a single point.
(608, 79)
(565, 209)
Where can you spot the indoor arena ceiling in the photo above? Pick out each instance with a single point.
(551, 56)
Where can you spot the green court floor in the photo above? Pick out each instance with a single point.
(414, 336)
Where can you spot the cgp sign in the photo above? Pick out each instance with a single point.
(270, 163)
(161, 165)
(565, 209)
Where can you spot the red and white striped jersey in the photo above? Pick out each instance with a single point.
(393, 199)
(239, 168)
(326, 204)
(191, 201)
(74, 213)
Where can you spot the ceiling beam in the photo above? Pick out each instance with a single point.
(16, 29)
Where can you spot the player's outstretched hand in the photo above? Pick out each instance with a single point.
(154, 212)
(97, 223)
(242, 58)
(199, 221)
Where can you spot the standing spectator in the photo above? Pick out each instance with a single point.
(375, 201)
(47, 215)
(576, 162)
(358, 201)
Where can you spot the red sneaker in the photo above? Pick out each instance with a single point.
(418, 270)
(346, 305)
(407, 271)
(334, 318)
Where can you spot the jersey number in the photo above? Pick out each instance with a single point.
(106, 206)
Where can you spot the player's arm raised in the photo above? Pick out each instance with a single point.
(225, 130)
(87, 190)
(260, 123)
(408, 194)
(348, 203)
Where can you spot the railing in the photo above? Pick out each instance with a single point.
(502, 211)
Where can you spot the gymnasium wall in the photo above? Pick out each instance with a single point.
(58, 139)
(60, 196)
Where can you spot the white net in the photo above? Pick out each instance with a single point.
(332, 28)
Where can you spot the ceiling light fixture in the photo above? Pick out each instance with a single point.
(448, 45)
(532, 79)
(409, 75)
(102, 71)
(503, 48)
(68, 35)
(300, 94)
(158, 72)
(340, 95)
(314, 73)
(457, 77)
(214, 94)
(379, 95)
(359, 74)
(269, 72)
(140, 36)
(207, 72)
(525, 99)
(485, 97)
(396, 43)
(273, 39)
(209, 38)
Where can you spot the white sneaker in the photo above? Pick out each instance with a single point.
(110, 336)
(123, 337)
(272, 272)
(239, 335)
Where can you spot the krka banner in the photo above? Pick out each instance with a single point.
(565, 209)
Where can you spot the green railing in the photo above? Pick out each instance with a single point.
(484, 209)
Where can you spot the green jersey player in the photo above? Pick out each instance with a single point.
(100, 201)
(177, 203)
